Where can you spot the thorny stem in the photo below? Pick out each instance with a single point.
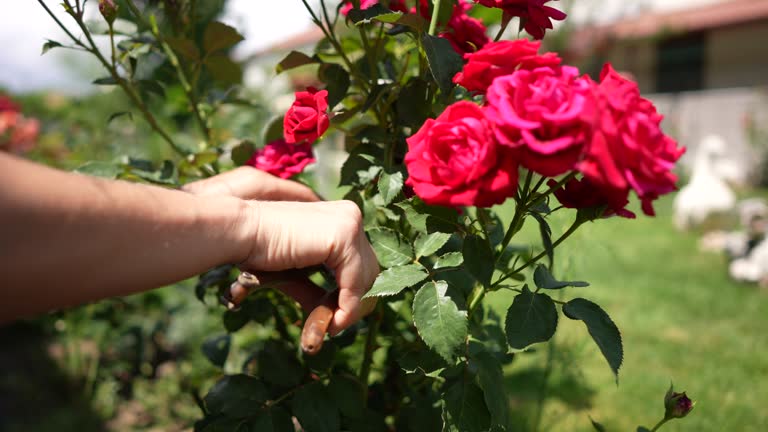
(135, 99)
(370, 345)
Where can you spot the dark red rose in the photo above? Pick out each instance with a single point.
(496, 59)
(282, 159)
(541, 113)
(455, 161)
(307, 119)
(582, 194)
(535, 15)
(466, 34)
(627, 150)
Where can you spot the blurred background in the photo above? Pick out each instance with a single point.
(688, 289)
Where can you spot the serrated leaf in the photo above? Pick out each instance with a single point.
(443, 61)
(428, 244)
(224, 69)
(491, 379)
(293, 60)
(440, 323)
(348, 393)
(465, 405)
(391, 249)
(49, 45)
(216, 349)
(337, 82)
(274, 130)
(544, 280)
(393, 281)
(243, 152)
(451, 259)
(99, 169)
(219, 36)
(478, 259)
(278, 365)
(390, 186)
(532, 318)
(273, 420)
(602, 329)
(236, 396)
(185, 47)
(546, 236)
(316, 409)
(414, 103)
(377, 12)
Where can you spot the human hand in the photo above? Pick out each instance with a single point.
(251, 184)
(291, 235)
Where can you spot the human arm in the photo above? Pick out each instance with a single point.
(69, 239)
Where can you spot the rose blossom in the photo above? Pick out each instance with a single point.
(541, 112)
(627, 148)
(466, 34)
(579, 194)
(454, 161)
(307, 119)
(534, 13)
(501, 58)
(282, 159)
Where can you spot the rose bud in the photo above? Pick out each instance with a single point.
(108, 10)
(677, 405)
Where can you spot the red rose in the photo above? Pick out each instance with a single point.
(282, 159)
(501, 58)
(6, 104)
(541, 112)
(18, 134)
(627, 148)
(454, 161)
(307, 119)
(533, 13)
(466, 34)
(577, 194)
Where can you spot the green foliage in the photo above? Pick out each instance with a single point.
(532, 318)
(602, 329)
(440, 322)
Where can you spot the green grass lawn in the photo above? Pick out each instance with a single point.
(681, 318)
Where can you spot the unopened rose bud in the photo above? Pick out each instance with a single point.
(108, 10)
(677, 405)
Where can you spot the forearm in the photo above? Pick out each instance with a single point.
(68, 239)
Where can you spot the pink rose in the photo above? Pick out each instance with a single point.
(501, 58)
(18, 134)
(466, 34)
(282, 159)
(454, 161)
(541, 112)
(627, 150)
(536, 16)
(307, 119)
(578, 194)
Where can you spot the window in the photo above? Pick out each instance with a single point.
(681, 63)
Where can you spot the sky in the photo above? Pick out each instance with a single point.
(23, 32)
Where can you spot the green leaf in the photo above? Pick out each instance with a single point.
(216, 349)
(376, 12)
(391, 249)
(532, 318)
(422, 360)
(337, 82)
(224, 69)
(393, 281)
(274, 130)
(465, 405)
(117, 115)
(50, 44)
(443, 61)
(185, 47)
(491, 379)
(293, 60)
(323, 360)
(355, 168)
(105, 81)
(236, 396)
(234, 320)
(602, 329)
(478, 259)
(278, 365)
(316, 409)
(242, 152)
(414, 104)
(449, 260)
(546, 236)
(440, 323)
(348, 393)
(598, 427)
(425, 218)
(643, 429)
(428, 244)
(99, 169)
(273, 420)
(544, 280)
(390, 186)
(219, 36)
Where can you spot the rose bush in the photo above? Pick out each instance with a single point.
(441, 124)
